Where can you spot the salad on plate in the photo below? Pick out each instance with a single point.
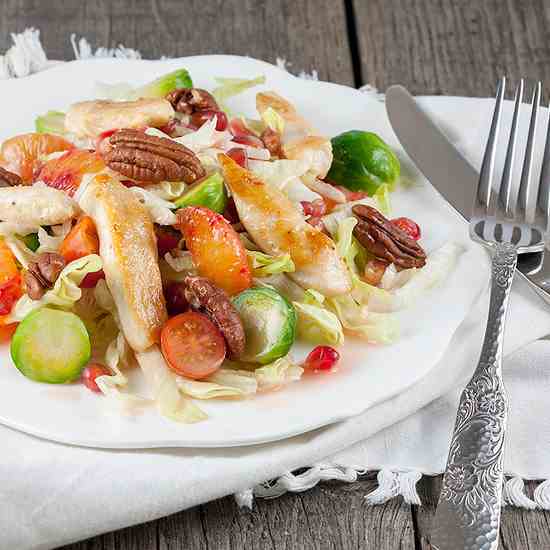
(156, 229)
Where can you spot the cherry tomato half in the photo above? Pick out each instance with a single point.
(192, 345)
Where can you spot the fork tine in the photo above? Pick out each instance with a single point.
(543, 199)
(507, 204)
(483, 194)
(527, 170)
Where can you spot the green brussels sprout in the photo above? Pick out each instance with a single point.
(209, 192)
(362, 162)
(165, 84)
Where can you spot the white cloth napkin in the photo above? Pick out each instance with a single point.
(52, 494)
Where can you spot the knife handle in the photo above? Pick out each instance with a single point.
(468, 512)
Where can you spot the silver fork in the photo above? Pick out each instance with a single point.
(509, 221)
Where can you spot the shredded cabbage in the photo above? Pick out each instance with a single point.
(230, 87)
(159, 209)
(408, 284)
(264, 265)
(315, 323)
(119, 355)
(382, 197)
(206, 137)
(181, 262)
(273, 120)
(283, 285)
(51, 243)
(279, 373)
(170, 401)
(223, 383)
(285, 175)
(168, 190)
(343, 211)
(65, 292)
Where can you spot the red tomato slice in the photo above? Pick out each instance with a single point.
(192, 345)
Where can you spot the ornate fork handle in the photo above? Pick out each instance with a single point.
(468, 513)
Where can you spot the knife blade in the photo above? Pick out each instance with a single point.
(449, 172)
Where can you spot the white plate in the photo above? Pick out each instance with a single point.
(367, 374)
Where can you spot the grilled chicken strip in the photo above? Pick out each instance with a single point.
(91, 118)
(277, 227)
(129, 252)
(300, 141)
(35, 205)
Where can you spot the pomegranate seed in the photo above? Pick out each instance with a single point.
(239, 156)
(91, 372)
(167, 239)
(91, 279)
(101, 138)
(315, 209)
(176, 302)
(238, 128)
(251, 141)
(230, 213)
(10, 292)
(317, 223)
(321, 358)
(411, 228)
(352, 195)
(198, 118)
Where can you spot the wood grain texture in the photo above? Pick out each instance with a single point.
(330, 516)
(455, 47)
(311, 34)
(431, 46)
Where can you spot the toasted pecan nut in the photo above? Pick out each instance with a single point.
(272, 142)
(386, 241)
(151, 159)
(42, 274)
(50, 265)
(190, 100)
(9, 179)
(202, 294)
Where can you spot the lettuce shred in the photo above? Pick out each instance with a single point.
(66, 290)
(264, 265)
(316, 324)
(230, 87)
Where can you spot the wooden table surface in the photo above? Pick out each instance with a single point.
(457, 47)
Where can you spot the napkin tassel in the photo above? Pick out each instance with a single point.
(390, 484)
(513, 494)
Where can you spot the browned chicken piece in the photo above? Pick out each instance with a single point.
(129, 253)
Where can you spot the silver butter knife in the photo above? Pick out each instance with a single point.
(449, 172)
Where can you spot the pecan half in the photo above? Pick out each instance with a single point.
(42, 274)
(190, 100)
(386, 241)
(272, 142)
(202, 294)
(151, 159)
(9, 179)
(50, 265)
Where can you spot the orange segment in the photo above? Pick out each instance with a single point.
(216, 248)
(10, 280)
(23, 154)
(81, 240)
(65, 172)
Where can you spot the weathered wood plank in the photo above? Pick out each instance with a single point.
(455, 47)
(331, 516)
(310, 33)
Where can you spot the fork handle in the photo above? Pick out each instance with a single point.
(468, 513)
